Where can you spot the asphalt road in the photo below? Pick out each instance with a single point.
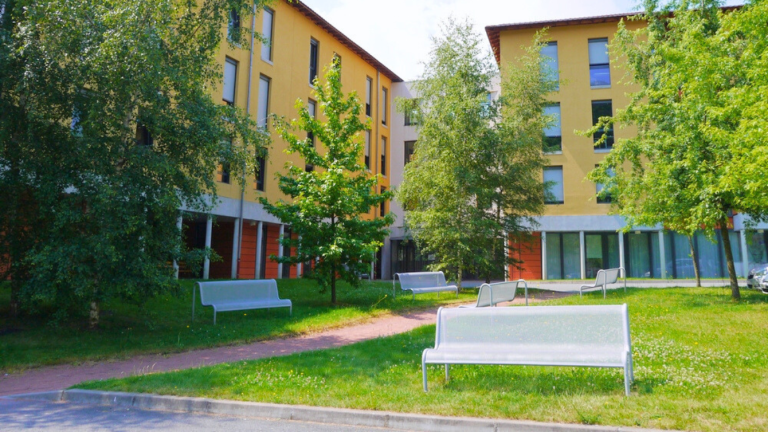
(16, 415)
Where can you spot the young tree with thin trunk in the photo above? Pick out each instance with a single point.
(107, 129)
(689, 164)
(474, 179)
(328, 206)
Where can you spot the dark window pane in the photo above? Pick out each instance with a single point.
(313, 54)
(553, 144)
(409, 147)
(261, 175)
(602, 109)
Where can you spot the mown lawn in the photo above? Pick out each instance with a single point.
(700, 364)
(164, 324)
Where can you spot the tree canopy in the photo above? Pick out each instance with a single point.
(700, 112)
(474, 179)
(107, 129)
(328, 204)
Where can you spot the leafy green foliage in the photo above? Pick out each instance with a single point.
(699, 117)
(108, 128)
(328, 204)
(162, 325)
(475, 176)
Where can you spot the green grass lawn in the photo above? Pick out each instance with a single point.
(700, 364)
(164, 324)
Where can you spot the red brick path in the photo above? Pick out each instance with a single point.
(61, 377)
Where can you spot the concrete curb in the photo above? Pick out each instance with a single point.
(348, 417)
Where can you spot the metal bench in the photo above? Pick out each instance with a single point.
(490, 295)
(589, 336)
(227, 296)
(422, 282)
(605, 277)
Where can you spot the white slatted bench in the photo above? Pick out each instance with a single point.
(605, 277)
(589, 336)
(237, 295)
(490, 295)
(422, 282)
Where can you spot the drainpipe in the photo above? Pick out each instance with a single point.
(247, 112)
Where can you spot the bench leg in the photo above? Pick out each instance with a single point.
(626, 381)
(447, 372)
(424, 372)
(214, 317)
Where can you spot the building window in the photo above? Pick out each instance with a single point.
(383, 156)
(409, 147)
(312, 110)
(599, 63)
(233, 26)
(261, 165)
(553, 135)
(267, 32)
(143, 137)
(412, 116)
(263, 113)
(553, 177)
(314, 52)
(368, 149)
(223, 172)
(606, 198)
(383, 205)
(602, 252)
(563, 256)
(368, 95)
(337, 62)
(230, 79)
(600, 109)
(550, 62)
(384, 105)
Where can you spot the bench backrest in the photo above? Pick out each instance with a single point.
(233, 291)
(491, 294)
(535, 328)
(421, 280)
(607, 277)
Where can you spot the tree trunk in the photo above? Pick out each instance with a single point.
(15, 288)
(93, 319)
(735, 293)
(333, 284)
(695, 262)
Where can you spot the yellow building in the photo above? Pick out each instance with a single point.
(268, 79)
(578, 236)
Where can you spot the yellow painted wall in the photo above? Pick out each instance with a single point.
(575, 97)
(289, 74)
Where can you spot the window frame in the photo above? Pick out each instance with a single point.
(236, 65)
(562, 184)
(383, 156)
(269, 44)
(556, 70)
(384, 106)
(369, 95)
(610, 141)
(550, 139)
(594, 66)
(265, 125)
(310, 135)
(314, 59)
(407, 156)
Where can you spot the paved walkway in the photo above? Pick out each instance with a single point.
(61, 377)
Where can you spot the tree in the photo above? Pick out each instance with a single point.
(328, 204)
(689, 165)
(474, 179)
(108, 129)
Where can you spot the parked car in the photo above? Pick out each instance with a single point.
(757, 278)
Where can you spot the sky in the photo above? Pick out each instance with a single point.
(398, 32)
